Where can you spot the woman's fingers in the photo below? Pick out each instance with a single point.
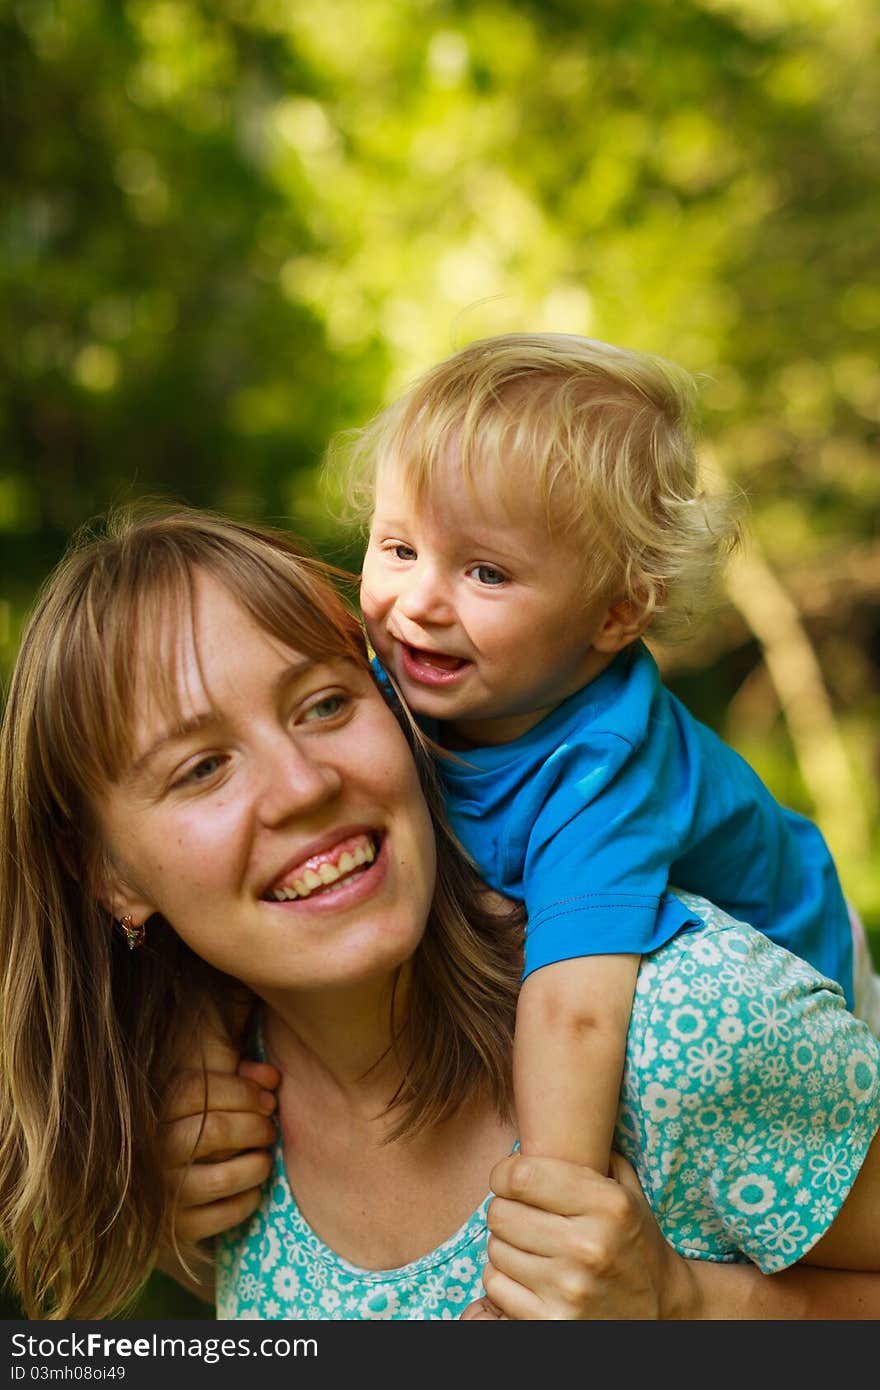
(567, 1243)
(483, 1310)
(549, 1184)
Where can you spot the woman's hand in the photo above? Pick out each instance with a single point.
(567, 1243)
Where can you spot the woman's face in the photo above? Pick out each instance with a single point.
(280, 828)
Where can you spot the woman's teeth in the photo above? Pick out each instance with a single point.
(325, 874)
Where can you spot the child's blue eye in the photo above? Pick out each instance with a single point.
(404, 552)
(487, 574)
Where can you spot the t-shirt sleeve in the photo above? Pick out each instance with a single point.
(751, 1097)
(601, 836)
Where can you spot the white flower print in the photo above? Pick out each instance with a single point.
(708, 1117)
(672, 991)
(730, 1030)
(823, 1210)
(462, 1269)
(249, 1286)
(330, 1300)
(861, 1076)
(705, 989)
(705, 951)
(661, 1102)
(784, 1232)
(769, 1021)
(686, 1023)
(842, 1115)
(709, 1062)
(285, 1282)
(744, 1153)
(803, 1055)
(831, 1169)
(774, 1070)
(736, 982)
(433, 1291)
(752, 1194)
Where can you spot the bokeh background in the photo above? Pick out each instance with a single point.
(230, 229)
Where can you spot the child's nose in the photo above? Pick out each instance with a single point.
(425, 598)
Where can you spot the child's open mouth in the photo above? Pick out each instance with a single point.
(432, 668)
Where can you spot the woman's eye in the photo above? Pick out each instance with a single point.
(203, 770)
(329, 707)
(487, 574)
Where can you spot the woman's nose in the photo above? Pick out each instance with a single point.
(295, 782)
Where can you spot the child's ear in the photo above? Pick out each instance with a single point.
(624, 621)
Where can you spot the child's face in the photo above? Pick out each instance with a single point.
(476, 610)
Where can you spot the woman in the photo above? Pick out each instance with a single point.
(196, 765)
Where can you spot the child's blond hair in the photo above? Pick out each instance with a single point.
(605, 436)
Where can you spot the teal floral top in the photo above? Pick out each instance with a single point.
(749, 1101)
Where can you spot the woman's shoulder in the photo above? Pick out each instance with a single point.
(751, 1093)
(721, 944)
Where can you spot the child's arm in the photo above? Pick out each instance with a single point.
(568, 1055)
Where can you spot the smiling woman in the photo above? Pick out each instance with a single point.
(194, 750)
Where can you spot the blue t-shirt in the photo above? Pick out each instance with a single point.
(617, 793)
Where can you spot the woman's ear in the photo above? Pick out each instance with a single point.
(120, 898)
(624, 621)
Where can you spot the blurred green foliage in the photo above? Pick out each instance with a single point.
(229, 229)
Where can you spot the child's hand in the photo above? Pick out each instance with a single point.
(216, 1149)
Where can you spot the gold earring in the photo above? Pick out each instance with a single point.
(135, 936)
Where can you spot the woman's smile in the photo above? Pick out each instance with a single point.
(351, 865)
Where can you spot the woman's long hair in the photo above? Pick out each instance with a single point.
(90, 1034)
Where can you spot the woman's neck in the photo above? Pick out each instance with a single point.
(339, 1042)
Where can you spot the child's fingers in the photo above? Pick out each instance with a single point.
(193, 1091)
(219, 1133)
(262, 1073)
(202, 1222)
(206, 1184)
